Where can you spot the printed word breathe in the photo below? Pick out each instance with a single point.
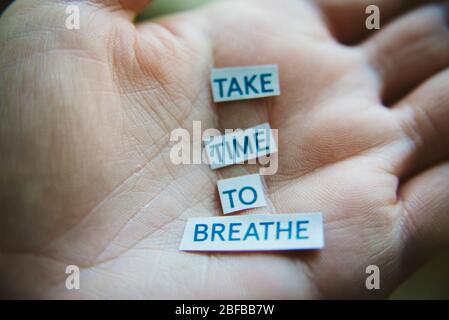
(240, 146)
(254, 232)
(242, 83)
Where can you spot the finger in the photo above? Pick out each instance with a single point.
(347, 18)
(127, 8)
(424, 118)
(249, 20)
(130, 7)
(410, 50)
(425, 213)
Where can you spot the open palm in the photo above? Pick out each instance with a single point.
(86, 117)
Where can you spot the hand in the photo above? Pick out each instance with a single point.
(86, 117)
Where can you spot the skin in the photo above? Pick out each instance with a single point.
(86, 117)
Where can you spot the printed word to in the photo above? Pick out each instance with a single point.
(241, 193)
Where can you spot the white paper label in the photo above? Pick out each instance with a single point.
(241, 83)
(240, 146)
(241, 193)
(254, 232)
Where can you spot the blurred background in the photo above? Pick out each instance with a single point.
(431, 281)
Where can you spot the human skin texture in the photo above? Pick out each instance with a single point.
(85, 123)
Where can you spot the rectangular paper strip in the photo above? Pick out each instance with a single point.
(254, 232)
(241, 83)
(240, 146)
(241, 193)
